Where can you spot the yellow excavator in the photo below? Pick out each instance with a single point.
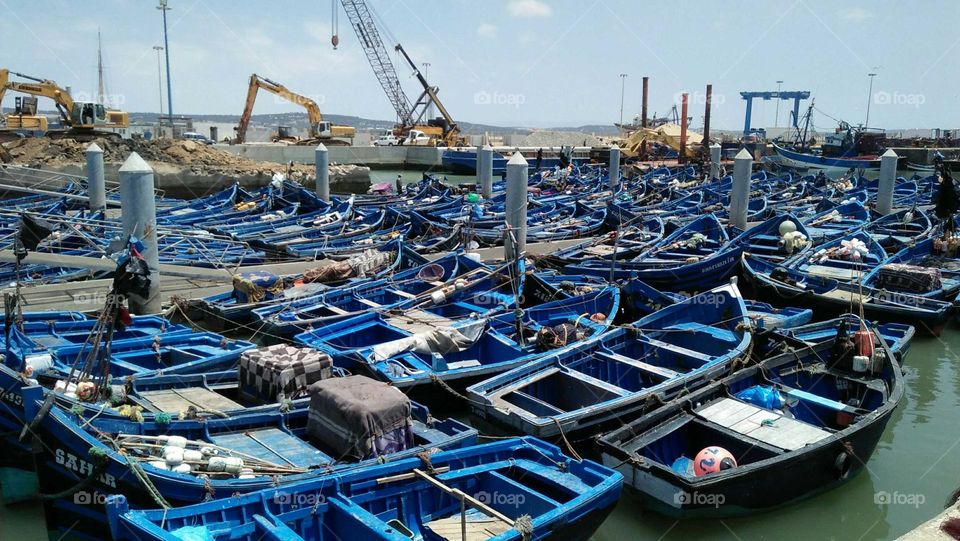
(83, 120)
(320, 129)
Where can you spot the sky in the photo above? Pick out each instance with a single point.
(531, 63)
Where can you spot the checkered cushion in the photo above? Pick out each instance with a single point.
(273, 373)
(909, 278)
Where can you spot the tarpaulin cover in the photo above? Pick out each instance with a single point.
(359, 417)
(257, 286)
(763, 396)
(360, 266)
(440, 340)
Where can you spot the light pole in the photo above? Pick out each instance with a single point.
(776, 119)
(159, 79)
(623, 85)
(166, 45)
(426, 75)
(869, 99)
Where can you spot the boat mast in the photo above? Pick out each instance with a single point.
(101, 92)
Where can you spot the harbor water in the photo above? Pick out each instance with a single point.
(907, 481)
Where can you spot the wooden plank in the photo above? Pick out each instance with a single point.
(647, 367)
(175, 400)
(418, 321)
(763, 425)
(479, 527)
(273, 445)
(837, 273)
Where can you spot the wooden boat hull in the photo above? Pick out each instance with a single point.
(773, 468)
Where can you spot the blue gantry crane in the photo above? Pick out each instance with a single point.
(795, 95)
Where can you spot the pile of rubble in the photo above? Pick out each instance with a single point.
(196, 157)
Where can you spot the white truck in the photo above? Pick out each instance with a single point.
(414, 137)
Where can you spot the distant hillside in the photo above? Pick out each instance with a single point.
(299, 120)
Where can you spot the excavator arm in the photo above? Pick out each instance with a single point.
(313, 110)
(43, 88)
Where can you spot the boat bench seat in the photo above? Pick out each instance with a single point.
(767, 426)
(819, 400)
(716, 332)
(678, 349)
(274, 445)
(646, 367)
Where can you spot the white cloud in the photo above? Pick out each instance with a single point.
(524, 9)
(856, 15)
(487, 30)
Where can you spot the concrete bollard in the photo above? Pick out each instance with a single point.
(321, 159)
(139, 217)
(485, 169)
(478, 164)
(613, 176)
(715, 158)
(515, 238)
(740, 193)
(888, 174)
(96, 185)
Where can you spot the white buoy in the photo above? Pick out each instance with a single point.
(138, 209)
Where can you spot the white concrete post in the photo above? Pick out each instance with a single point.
(516, 207)
(740, 193)
(138, 210)
(485, 170)
(613, 166)
(715, 158)
(321, 160)
(888, 174)
(477, 165)
(96, 185)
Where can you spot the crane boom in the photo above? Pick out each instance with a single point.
(366, 29)
(410, 115)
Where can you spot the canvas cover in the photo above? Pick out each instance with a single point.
(357, 417)
(257, 286)
(362, 265)
(270, 374)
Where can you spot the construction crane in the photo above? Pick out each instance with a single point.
(84, 120)
(320, 129)
(443, 130)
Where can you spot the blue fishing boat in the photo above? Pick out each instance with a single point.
(406, 288)
(895, 230)
(408, 354)
(696, 256)
(897, 336)
(464, 161)
(829, 297)
(510, 490)
(766, 436)
(598, 383)
(776, 239)
(264, 293)
(815, 161)
(927, 268)
(161, 459)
